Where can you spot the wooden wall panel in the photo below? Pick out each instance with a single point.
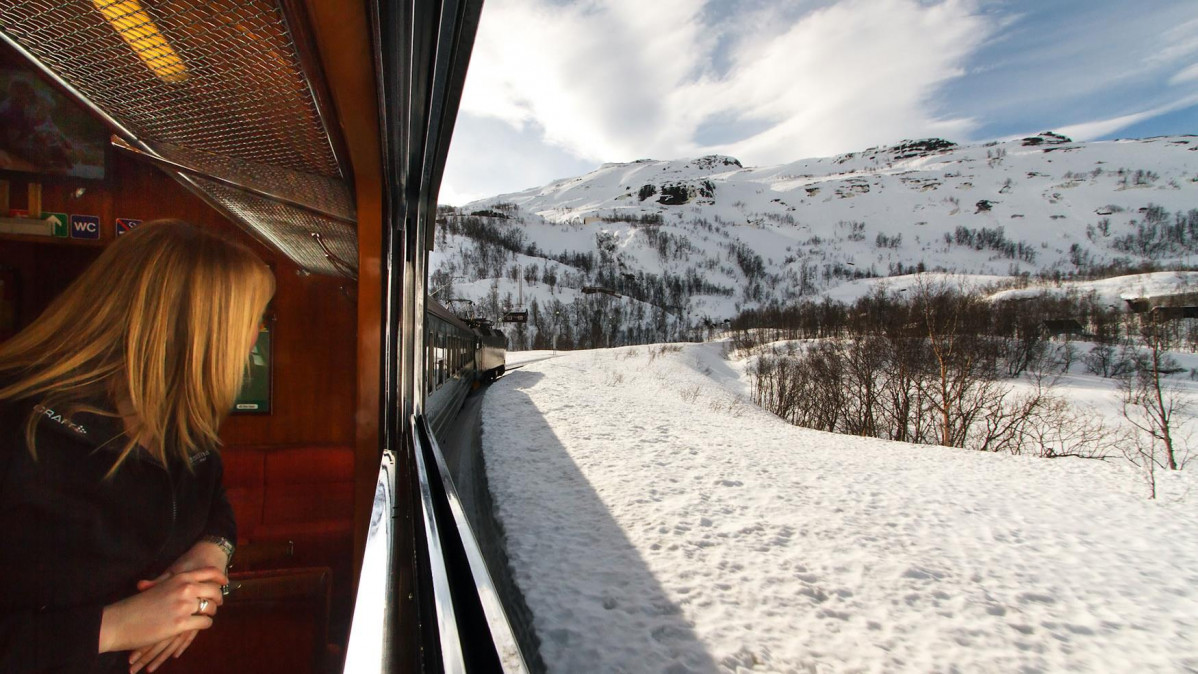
(42, 271)
(315, 378)
(342, 33)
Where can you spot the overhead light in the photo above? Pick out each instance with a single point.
(137, 29)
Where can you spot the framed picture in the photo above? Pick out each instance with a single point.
(45, 133)
(255, 396)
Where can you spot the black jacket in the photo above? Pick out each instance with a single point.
(72, 541)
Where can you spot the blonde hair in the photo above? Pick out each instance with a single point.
(163, 321)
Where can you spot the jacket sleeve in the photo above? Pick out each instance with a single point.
(220, 515)
(33, 641)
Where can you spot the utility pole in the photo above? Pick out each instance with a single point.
(556, 314)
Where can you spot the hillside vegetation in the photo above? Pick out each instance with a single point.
(666, 250)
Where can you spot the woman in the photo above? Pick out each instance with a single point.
(115, 526)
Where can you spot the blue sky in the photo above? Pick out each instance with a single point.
(557, 87)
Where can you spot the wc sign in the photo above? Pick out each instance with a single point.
(85, 226)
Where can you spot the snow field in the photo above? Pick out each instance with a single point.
(656, 521)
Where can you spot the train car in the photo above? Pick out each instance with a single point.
(316, 131)
(458, 355)
(492, 351)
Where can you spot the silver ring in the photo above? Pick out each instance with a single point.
(203, 606)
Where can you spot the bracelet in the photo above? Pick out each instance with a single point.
(224, 544)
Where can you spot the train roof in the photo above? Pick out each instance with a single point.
(435, 308)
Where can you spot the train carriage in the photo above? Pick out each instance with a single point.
(458, 354)
(316, 131)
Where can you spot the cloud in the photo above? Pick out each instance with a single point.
(622, 79)
(1178, 42)
(1052, 64)
(557, 87)
(489, 157)
(854, 74)
(1105, 127)
(593, 75)
(1189, 74)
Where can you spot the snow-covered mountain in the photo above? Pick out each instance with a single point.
(701, 239)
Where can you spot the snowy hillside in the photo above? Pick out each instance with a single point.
(676, 527)
(692, 240)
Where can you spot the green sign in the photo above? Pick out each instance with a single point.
(60, 224)
(255, 392)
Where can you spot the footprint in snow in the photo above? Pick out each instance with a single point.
(919, 573)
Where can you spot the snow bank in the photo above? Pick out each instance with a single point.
(657, 522)
(1113, 291)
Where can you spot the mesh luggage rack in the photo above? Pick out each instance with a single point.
(220, 87)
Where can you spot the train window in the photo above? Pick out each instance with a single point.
(445, 353)
(441, 353)
(429, 360)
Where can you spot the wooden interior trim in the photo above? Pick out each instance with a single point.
(342, 32)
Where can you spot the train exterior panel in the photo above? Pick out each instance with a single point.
(492, 351)
(457, 354)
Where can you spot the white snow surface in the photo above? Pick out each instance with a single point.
(658, 522)
(1116, 289)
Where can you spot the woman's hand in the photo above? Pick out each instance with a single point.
(165, 610)
(152, 657)
(201, 555)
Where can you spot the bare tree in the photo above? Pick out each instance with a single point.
(1151, 402)
(1141, 451)
(865, 381)
(962, 380)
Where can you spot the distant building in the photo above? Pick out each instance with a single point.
(1174, 313)
(1138, 305)
(1062, 326)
